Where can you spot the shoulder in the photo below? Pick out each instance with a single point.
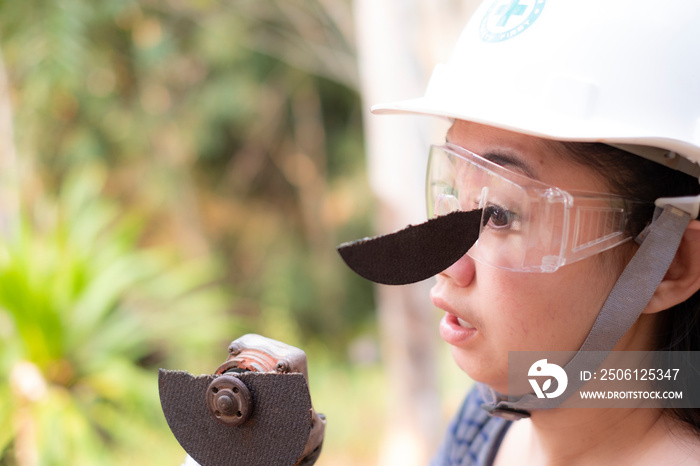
(473, 436)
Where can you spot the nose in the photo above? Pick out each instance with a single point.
(461, 272)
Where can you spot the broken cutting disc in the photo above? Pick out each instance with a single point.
(274, 434)
(415, 253)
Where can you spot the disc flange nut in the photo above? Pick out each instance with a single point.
(229, 400)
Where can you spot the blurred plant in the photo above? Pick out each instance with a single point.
(85, 314)
(235, 126)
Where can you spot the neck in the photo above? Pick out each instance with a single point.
(565, 436)
(572, 434)
(575, 433)
(599, 436)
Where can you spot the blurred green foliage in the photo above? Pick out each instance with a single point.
(234, 127)
(82, 315)
(186, 169)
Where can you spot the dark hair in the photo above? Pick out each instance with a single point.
(631, 176)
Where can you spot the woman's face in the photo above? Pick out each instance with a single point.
(490, 311)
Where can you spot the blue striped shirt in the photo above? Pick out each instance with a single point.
(473, 437)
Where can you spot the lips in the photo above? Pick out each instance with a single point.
(454, 330)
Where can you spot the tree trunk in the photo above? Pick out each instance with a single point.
(399, 42)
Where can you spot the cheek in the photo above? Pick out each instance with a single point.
(548, 311)
(515, 311)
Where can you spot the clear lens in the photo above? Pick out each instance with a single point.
(526, 225)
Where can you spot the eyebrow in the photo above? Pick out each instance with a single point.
(504, 158)
(510, 161)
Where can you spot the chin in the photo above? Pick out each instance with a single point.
(482, 369)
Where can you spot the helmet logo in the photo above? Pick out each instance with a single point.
(507, 18)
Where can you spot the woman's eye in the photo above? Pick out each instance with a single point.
(498, 218)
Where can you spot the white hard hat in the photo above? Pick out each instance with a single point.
(622, 72)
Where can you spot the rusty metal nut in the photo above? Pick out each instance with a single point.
(282, 367)
(235, 348)
(229, 400)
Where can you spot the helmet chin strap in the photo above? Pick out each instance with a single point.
(625, 303)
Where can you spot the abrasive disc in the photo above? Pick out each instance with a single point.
(415, 253)
(275, 433)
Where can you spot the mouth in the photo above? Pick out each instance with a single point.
(454, 329)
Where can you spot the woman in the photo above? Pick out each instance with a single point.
(571, 120)
(490, 311)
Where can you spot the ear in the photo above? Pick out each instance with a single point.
(683, 277)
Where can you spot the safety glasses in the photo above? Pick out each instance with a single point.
(526, 225)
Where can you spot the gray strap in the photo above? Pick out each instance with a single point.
(628, 298)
